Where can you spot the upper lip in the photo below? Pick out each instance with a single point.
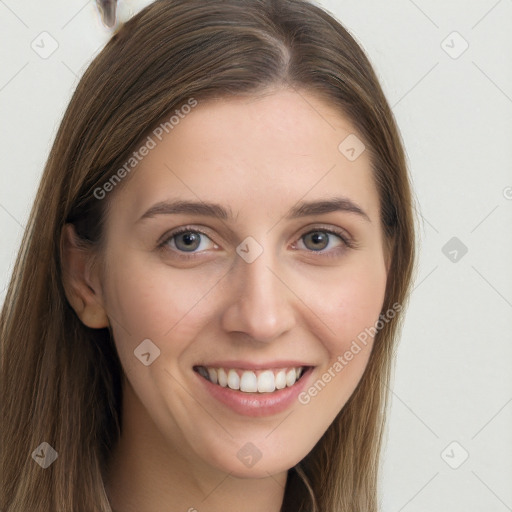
(251, 365)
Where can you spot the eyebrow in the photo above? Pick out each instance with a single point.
(208, 209)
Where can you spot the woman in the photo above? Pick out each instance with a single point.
(204, 309)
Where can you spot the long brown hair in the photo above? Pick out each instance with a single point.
(60, 380)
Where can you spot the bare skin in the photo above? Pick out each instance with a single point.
(258, 158)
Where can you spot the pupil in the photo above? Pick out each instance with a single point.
(189, 239)
(318, 237)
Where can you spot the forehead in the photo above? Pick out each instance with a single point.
(252, 154)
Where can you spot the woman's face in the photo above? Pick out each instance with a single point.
(267, 280)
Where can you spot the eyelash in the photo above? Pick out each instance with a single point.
(350, 244)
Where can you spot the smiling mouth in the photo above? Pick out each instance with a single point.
(249, 381)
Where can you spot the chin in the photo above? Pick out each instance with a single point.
(237, 467)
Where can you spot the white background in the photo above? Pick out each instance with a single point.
(452, 382)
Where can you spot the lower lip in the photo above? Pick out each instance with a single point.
(257, 404)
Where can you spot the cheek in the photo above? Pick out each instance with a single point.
(350, 311)
(157, 302)
(350, 303)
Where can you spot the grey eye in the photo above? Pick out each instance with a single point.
(187, 241)
(319, 240)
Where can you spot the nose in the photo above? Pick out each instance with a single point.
(261, 305)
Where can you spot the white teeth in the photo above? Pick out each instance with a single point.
(223, 378)
(280, 379)
(291, 377)
(233, 380)
(261, 381)
(212, 373)
(266, 383)
(249, 382)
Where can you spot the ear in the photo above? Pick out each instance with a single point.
(81, 281)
